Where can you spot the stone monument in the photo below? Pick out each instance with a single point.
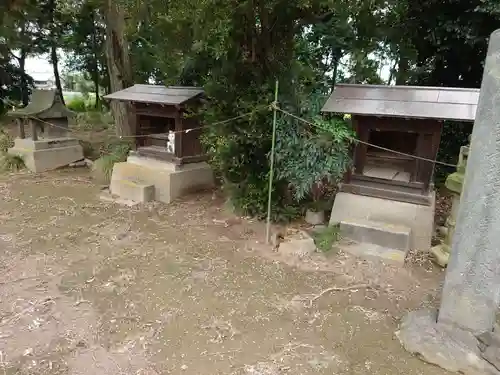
(461, 337)
(49, 146)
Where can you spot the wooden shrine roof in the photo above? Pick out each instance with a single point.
(156, 94)
(438, 103)
(43, 104)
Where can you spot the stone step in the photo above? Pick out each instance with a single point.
(133, 190)
(371, 251)
(381, 234)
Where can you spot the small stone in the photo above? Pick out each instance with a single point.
(184, 367)
(315, 217)
(276, 238)
(79, 164)
(300, 245)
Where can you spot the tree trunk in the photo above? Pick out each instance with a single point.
(55, 65)
(403, 66)
(24, 83)
(95, 69)
(119, 67)
(391, 73)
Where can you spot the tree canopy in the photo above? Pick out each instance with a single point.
(237, 49)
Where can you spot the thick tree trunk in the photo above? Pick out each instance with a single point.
(119, 67)
(55, 66)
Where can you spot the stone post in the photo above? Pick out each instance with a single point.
(471, 292)
(454, 184)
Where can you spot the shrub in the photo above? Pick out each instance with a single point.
(77, 104)
(6, 141)
(93, 120)
(103, 168)
(326, 238)
(11, 163)
(311, 158)
(113, 153)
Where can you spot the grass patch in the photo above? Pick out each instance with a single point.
(11, 163)
(103, 167)
(326, 238)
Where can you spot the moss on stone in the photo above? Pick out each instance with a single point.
(455, 182)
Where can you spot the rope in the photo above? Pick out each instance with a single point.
(257, 109)
(367, 143)
(272, 106)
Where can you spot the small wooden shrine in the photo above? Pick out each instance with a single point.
(164, 119)
(46, 115)
(405, 119)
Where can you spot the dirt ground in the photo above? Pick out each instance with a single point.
(88, 287)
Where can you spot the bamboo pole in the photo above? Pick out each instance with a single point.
(271, 172)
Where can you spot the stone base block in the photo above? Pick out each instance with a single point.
(47, 154)
(169, 181)
(382, 234)
(371, 251)
(418, 218)
(441, 254)
(133, 190)
(448, 347)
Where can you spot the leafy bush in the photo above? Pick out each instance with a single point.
(326, 238)
(6, 141)
(94, 120)
(310, 157)
(454, 136)
(115, 152)
(77, 104)
(11, 163)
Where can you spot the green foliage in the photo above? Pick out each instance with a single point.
(103, 168)
(6, 141)
(114, 152)
(454, 136)
(118, 148)
(11, 163)
(326, 238)
(77, 104)
(309, 157)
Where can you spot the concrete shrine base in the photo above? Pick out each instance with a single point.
(451, 348)
(141, 179)
(47, 154)
(388, 228)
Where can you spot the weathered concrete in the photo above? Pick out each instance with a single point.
(47, 154)
(371, 251)
(356, 208)
(382, 234)
(453, 349)
(133, 190)
(169, 181)
(300, 245)
(471, 293)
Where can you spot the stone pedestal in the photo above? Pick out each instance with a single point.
(47, 154)
(454, 183)
(374, 215)
(133, 179)
(471, 291)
